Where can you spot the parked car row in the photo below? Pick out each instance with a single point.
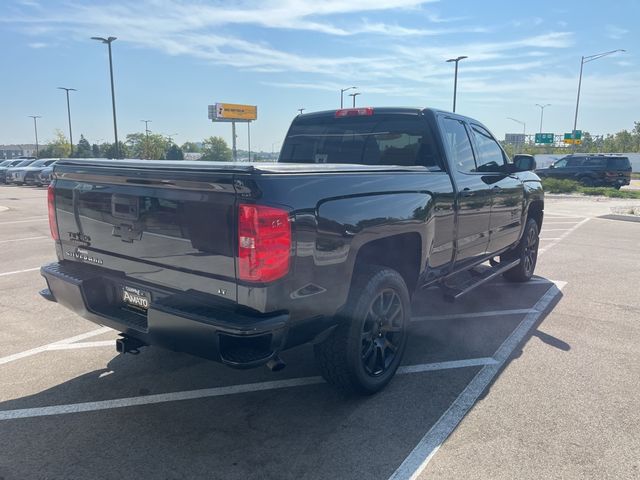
(28, 171)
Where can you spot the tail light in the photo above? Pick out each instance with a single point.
(51, 204)
(354, 112)
(264, 243)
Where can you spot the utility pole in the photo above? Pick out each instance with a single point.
(455, 78)
(542, 107)
(35, 127)
(69, 114)
(146, 127)
(108, 41)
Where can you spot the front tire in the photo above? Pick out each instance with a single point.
(526, 251)
(364, 351)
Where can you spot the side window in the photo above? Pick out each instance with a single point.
(575, 162)
(562, 163)
(458, 145)
(490, 156)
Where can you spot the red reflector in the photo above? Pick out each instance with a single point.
(51, 206)
(354, 112)
(264, 243)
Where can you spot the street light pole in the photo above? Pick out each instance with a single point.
(455, 78)
(342, 90)
(354, 95)
(542, 107)
(35, 127)
(524, 130)
(584, 60)
(108, 41)
(67, 90)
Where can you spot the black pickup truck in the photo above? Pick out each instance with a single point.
(238, 262)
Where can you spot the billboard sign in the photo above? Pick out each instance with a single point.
(232, 112)
(514, 138)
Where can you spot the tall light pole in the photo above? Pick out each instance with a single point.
(455, 78)
(146, 127)
(584, 60)
(108, 41)
(342, 90)
(354, 95)
(542, 107)
(69, 114)
(524, 129)
(35, 127)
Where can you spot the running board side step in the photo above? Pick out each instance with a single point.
(451, 294)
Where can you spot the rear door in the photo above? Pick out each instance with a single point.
(507, 192)
(473, 196)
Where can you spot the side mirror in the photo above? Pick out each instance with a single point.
(524, 163)
(553, 165)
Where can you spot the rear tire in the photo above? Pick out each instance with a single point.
(526, 251)
(364, 351)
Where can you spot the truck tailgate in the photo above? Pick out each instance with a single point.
(169, 228)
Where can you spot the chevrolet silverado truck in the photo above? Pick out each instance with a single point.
(238, 262)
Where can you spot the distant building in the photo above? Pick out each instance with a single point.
(15, 151)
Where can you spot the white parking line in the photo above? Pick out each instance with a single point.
(215, 392)
(419, 458)
(563, 236)
(19, 271)
(561, 223)
(52, 346)
(555, 230)
(74, 346)
(24, 239)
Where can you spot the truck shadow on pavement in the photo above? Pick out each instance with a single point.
(306, 431)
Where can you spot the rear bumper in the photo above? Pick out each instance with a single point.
(180, 321)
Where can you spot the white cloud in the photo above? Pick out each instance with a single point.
(37, 45)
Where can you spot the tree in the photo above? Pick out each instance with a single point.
(216, 149)
(174, 153)
(191, 147)
(83, 149)
(147, 146)
(59, 147)
(95, 150)
(108, 150)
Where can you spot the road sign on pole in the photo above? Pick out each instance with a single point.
(545, 138)
(573, 138)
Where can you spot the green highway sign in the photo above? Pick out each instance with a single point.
(546, 138)
(569, 136)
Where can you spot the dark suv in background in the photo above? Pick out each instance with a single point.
(591, 170)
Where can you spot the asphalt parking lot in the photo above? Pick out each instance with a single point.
(528, 381)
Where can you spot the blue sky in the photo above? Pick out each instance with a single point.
(173, 58)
